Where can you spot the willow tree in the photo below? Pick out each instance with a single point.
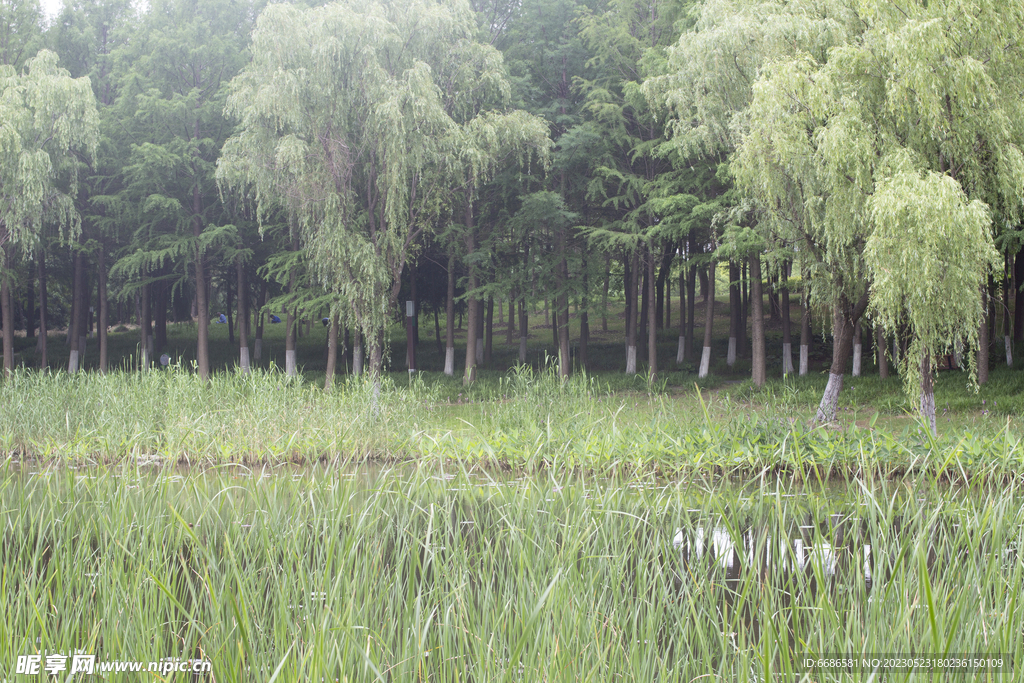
(883, 163)
(359, 118)
(47, 119)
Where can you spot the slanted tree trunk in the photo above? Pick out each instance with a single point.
(332, 352)
(758, 362)
(883, 364)
(681, 347)
(787, 341)
(449, 325)
(709, 320)
(631, 314)
(844, 316)
(735, 307)
(927, 391)
(243, 323)
(41, 273)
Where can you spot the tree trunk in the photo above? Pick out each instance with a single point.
(604, 295)
(983, 339)
(524, 329)
(681, 347)
(883, 364)
(74, 324)
(652, 322)
(628, 306)
(1018, 297)
(7, 313)
(631, 318)
(230, 314)
(243, 323)
(469, 374)
(357, 353)
(332, 353)
(709, 320)
(257, 350)
(489, 330)
(202, 301)
(449, 325)
(844, 316)
(510, 328)
(787, 341)
(857, 350)
(562, 312)
(30, 316)
(927, 391)
(290, 364)
(805, 332)
(758, 362)
(481, 319)
(145, 334)
(735, 308)
(691, 307)
(41, 272)
(645, 301)
(584, 320)
(1007, 328)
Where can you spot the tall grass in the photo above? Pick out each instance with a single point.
(526, 420)
(446, 575)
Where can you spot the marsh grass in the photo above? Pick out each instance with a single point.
(526, 420)
(447, 574)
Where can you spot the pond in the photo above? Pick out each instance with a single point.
(430, 573)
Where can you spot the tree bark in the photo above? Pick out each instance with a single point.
(983, 339)
(145, 333)
(681, 347)
(631, 318)
(691, 300)
(332, 353)
(735, 308)
(30, 316)
(652, 322)
(787, 341)
(883, 363)
(805, 332)
(758, 362)
(524, 329)
(510, 328)
(257, 351)
(844, 316)
(243, 323)
(584, 321)
(449, 325)
(202, 301)
(469, 374)
(604, 295)
(41, 272)
(489, 330)
(7, 313)
(562, 315)
(857, 350)
(290, 364)
(1018, 297)
(927, 391)
(74, 324)
(709, 321)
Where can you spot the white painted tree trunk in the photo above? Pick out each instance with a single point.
(787, 358)
(804, 353)
(73, 362)
(357, 358)
(630, 360)
(730, 356)
(681, 349)
(1009, 351)
(857, 355)
(830, 399)
(522, 349)
(289, 363)
(449, 361)
(243, 361)
(257, 350)
(705, 362)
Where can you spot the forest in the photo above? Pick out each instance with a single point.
(856, 165)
